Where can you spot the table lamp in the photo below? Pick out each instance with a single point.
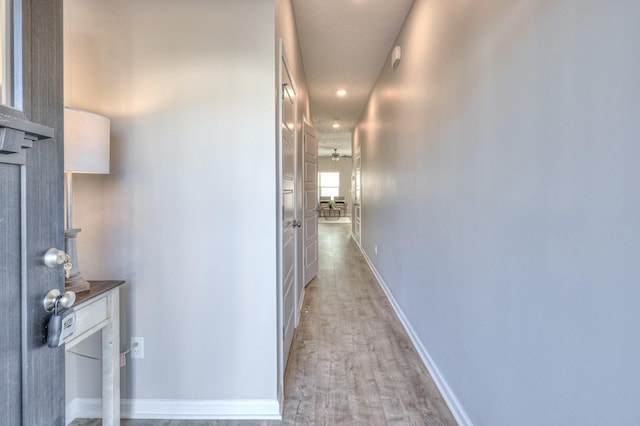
(86, 150)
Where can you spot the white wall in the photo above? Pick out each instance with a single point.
(509, 137)
(96, 78)
(344, 166)
(187, 215)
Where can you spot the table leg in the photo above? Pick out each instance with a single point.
(111, 364)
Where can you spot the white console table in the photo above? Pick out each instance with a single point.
(99, 310)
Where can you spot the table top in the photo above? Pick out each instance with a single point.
(97, 288)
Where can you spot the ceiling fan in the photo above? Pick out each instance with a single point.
(335, 156)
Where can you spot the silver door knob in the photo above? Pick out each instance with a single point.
(54, 257)
(64, 300)
(297, 224)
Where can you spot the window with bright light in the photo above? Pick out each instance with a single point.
(329, 184)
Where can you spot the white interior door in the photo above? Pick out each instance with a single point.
(357, 219)
(288, 223)
(310, 225)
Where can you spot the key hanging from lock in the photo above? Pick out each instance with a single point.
(54, 257)
(67, 265)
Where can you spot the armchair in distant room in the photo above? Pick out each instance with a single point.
(340, 203)
(324, 204)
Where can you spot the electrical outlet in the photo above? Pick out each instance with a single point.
(137, 347)
(375, 249)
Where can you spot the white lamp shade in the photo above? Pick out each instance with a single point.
(86, 142)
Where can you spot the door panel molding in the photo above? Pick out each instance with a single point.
(16, 132)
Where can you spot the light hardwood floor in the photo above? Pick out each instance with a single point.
(351, 362)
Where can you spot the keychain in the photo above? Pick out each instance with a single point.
(62, 324)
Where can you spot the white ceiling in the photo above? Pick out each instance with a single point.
(344, 44)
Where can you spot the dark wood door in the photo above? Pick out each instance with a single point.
(31, 217)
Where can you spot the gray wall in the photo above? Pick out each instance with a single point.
(190, 201)
(500, 166)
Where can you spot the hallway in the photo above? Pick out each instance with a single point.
(351, 361)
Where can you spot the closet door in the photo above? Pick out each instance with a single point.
(310, 225)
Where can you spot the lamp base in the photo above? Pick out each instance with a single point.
(77, 284)
(76, 281)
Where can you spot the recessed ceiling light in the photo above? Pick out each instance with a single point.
(336, 125)
(341, 92)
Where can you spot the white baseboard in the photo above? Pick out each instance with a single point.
(236, 409)
(81, 405)
(447, 394)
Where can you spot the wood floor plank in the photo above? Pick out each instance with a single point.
(370, 362)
